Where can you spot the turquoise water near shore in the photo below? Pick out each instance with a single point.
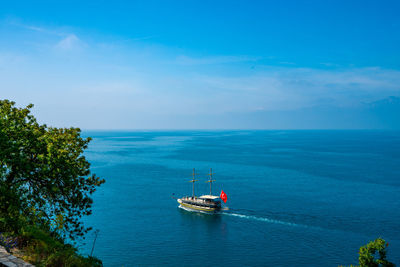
(296, 198)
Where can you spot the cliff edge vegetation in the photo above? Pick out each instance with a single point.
(45, 188)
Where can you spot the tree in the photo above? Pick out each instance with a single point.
(367, 253)
(44, 176)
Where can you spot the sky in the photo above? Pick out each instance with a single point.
(203, 64)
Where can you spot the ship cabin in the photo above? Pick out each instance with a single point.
(205, 201)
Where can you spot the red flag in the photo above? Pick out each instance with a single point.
(223, 196)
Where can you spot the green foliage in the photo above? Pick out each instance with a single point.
(368, 252)
(45, 188)
(43, 249)
(44, 178)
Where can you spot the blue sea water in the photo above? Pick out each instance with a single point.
(296, 198)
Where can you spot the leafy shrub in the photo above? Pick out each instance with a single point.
(368, 252)
(8, 242)
(44, 249)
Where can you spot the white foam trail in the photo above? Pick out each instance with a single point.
(249, 217)
(263, 219)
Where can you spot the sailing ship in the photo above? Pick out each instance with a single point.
(204, 203)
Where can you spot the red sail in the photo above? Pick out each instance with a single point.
(223, 196)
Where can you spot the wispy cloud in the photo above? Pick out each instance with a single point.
(144, 38)
(291, 88)
(65, 40)
(287, 63)
(208, 60)
(121, 81)
(34, 28)
(40, 29)
(69, 42)
(329, 64)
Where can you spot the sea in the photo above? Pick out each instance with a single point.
(295, 198)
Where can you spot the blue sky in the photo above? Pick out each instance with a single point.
(203, 64)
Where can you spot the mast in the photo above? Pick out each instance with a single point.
(192, 181)
(210, 180)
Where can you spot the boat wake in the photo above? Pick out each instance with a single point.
(248, 217)
(262, 219)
